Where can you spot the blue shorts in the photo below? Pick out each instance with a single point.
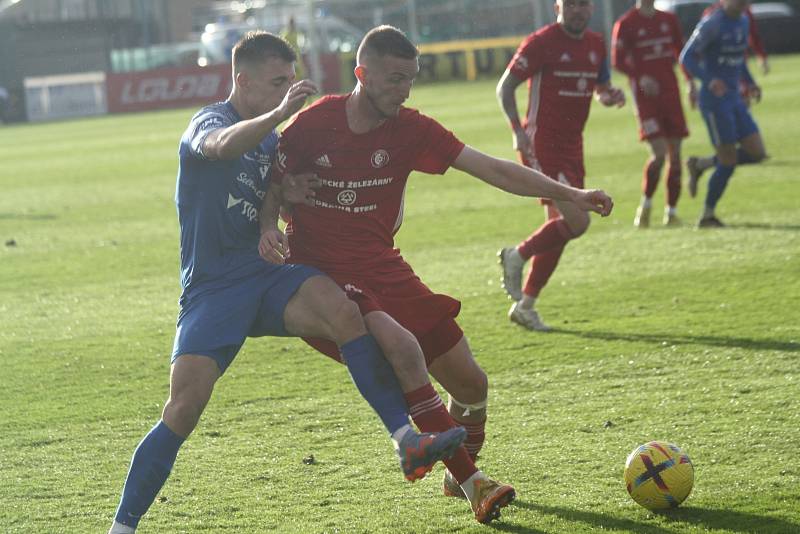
(215, 322)
(728, 120)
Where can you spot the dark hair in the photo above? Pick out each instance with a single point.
(257, 46)
(386, 41)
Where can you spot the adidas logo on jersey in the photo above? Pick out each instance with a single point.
(565, 57)
(324, 161)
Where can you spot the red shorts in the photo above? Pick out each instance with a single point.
(395, 289)
(660, 117)
(565, 170)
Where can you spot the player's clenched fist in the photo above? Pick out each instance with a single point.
(614, 96)
(595, 200)
(273, 246)
(300, 188)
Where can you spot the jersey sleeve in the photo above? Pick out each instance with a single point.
(603, 73)
(620, 54)
(288, 156)
(677, 44)
(754, 37)
(746, 75)
(692, 55)
(439, 147)
(203, 124)
(529, 57)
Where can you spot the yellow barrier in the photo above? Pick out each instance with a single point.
(465, 47)
(453, 60)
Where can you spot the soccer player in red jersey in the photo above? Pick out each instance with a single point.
(363, 146)
(564, 64)
(645, 46)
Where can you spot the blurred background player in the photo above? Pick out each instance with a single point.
(291, 36)
(4, 97)
(364, 146)
(754, 40)
(645, 46)
(564, 64)
(716, 55)
(230, 293)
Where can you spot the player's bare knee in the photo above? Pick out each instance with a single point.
(477, 389)
(578, 225)
(345, 322)
(404, 354)
(182, 414)
(658, 160)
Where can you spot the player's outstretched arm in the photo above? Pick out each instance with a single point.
(273, 245)
(233, 141)
(514, 178)
(506, 96)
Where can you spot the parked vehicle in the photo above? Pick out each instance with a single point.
(334, 35)
(778, 25)
(777, 21)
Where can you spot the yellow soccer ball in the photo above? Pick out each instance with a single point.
(659, 475)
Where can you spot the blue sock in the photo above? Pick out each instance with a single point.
(151, 464)
(375, 379)
(717, 184)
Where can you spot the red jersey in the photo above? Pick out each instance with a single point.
(359, 206)
(562, 73)
(648, 46)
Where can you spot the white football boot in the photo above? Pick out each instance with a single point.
(512, 264)
(527, 317)
(642, 218)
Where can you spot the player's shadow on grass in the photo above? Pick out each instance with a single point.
(706, 518)
(671, 339)
(28, 216)
(764, 226)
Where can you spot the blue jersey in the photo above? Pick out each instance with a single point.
(717, 49)
(218, 203)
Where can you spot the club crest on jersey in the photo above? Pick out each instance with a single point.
(664, 27)
(642, 32)
(582, 83)
(593, 57)
(380, 158)
(347, 197)
(565, 58)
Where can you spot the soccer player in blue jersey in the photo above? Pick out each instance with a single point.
(230, 292)
(715, 54)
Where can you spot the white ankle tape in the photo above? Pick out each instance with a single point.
(469, 407)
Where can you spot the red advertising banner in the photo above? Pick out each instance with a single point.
(167, 88)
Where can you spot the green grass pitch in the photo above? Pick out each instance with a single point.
(680, 335)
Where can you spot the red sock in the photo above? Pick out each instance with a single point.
(430, 415)
(476, 435)
(673, 184)
(652, 172)
(542, 268)
(552, 234)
